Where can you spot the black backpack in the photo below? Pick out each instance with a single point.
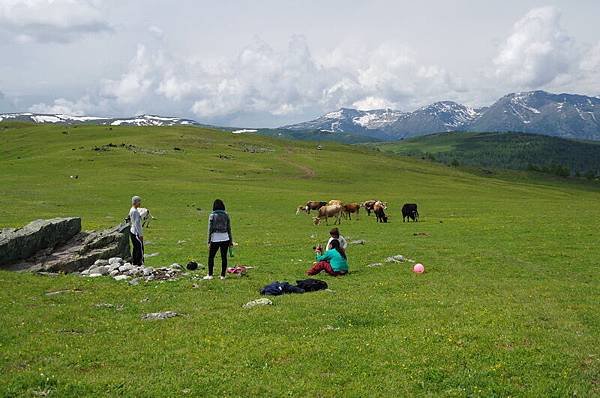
(311, 285)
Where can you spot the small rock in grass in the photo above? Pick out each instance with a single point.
(257, 302)
(120, 277)
(125, 268)
(398, 258)
(150, 254)
(94, 275)
(373, 265)
(159, 315)
(102, 270)
(358, 242)
(134, 281)
(176, 266)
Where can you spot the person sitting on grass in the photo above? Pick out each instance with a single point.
(333, 261)
(335, 234)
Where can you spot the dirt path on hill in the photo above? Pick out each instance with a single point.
(307, 172)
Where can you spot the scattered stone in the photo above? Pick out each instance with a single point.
(257, 302)
(179, 242)
(398, 258)
(101, 262)
(120, 277)
(125, 267)
(115, 260)
(104, 305)
(102, 270)
(151, 254)
(114, 272)
(54, 293)
(358, 242)
(176, 266)
(94, 275)
(134, 281)
(329, 327)
(159, 315)
(373, 265)
(421, 234)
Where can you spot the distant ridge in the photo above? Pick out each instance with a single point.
(141, 120)
(538, 112)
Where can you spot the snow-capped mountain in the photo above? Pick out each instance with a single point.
(437, 117)
(142, 120)
(564, 115)
(369, 123)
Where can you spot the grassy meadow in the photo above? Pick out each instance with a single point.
(508, 306)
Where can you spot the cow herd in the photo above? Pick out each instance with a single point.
(337, 210)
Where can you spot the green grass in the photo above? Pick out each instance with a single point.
(508, 305)
(518, 151)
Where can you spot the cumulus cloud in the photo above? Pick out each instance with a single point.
(537, 52)
(81, 107)
(51, 20)
(282, 83)
(133, 85)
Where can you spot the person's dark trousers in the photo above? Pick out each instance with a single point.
(138, 250)
(212, 252)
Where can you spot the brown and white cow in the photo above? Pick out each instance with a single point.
(310, 205)
(379, 208)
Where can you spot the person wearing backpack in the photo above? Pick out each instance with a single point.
(333, 261)
(219, 237)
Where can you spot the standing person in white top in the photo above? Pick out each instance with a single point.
(136, 232)
(219, 237)
(335, 234)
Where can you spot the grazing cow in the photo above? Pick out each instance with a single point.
(410, 212)
(379, 208)
(370, 204)
(334, 211)
(351, 208)
(310, 205)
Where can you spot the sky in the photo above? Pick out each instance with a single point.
(273, 62)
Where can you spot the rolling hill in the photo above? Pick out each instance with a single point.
(519, 151)
(508, 305)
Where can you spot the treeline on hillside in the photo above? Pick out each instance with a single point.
(519, 151)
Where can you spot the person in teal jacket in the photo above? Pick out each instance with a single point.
(333, 261)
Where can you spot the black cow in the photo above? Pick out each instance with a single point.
(409, 211)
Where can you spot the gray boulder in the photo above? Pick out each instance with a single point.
(22, 243)
(78, 253)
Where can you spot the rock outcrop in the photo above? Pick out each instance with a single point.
(58, 245)
(21, 243)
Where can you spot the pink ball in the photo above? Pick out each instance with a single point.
(419, 268)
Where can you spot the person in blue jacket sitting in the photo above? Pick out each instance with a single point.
(333, 261)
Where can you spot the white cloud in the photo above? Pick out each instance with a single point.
(135, 83)
(370, 103)
(82, 107)
(538, 51)
(51, 20)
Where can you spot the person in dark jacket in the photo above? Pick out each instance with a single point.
(219, 237)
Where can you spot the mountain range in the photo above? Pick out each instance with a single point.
(539, 112)
(141, 120)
